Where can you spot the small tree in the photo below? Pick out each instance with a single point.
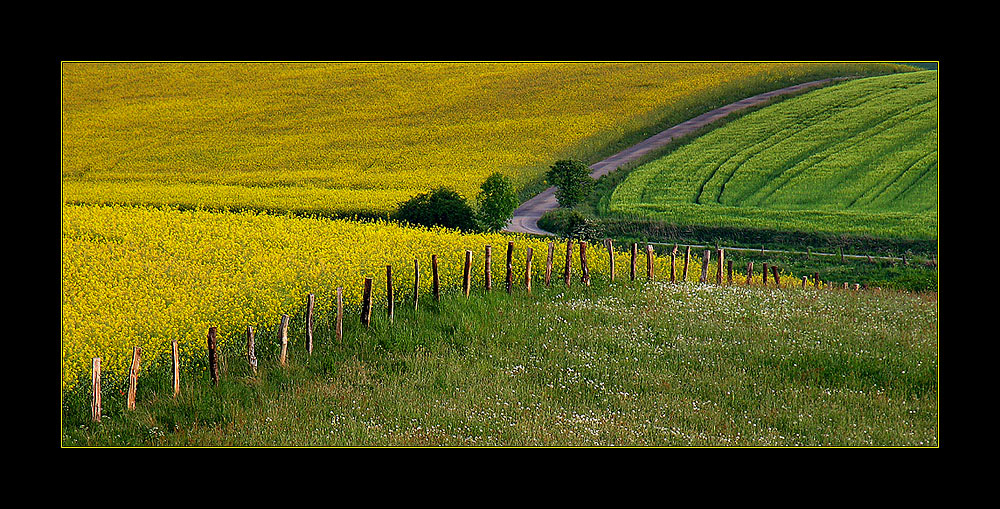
(572, 180)
(440, 207)
(497, 202)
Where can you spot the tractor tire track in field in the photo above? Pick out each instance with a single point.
(526, 216)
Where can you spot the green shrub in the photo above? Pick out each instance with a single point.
(497, 202)
(440, 207)
(572, 180)
(571, 223)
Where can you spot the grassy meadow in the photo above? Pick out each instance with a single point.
(855, 158)
(614, 364)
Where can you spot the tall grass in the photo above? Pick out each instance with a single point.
(622, 364)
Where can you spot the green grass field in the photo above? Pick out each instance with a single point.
(622, 364)
(857, 158)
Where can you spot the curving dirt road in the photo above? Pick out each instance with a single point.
(526, 217)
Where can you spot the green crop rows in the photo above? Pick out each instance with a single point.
(856, 158)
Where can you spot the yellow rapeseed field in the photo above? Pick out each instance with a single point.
(145, 276)
(323, 138)
(356, 136)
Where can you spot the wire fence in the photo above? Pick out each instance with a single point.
(841, 254)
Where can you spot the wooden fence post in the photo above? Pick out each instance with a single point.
(718, 273)
(673, 255)
(569, 259)
(527, 270)
(774, 272)
(548, 263)
(340, 313)
(488, 268)
(467, 276)
(95, 389)
(611, 257)
(390, 297)
(635, 252)
(434, 270)
(283, 336)
(213, 355)
(175, 379)
(309, 323)
(804, 280)
(704, 266)
(416, 283)
(764, 274)
(841, 254)
(649, 262)
(133, 376)
(687, 256)
(729, 272)
(251, 351)
(816, 279)
(749, 273)
(366, 303)
(584, 267)
(510, 266)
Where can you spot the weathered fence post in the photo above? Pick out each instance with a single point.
(366, 303)
(95, 389)
(309, 323)
(251, 351)
(488, 268)
(467, 275)
(816, 279)
(718, 273)
(764, 274)
(213, 355)
(434, 271)
(687, 256)
(390, 297)
(548, 263)
(729, 272)
(510, 266)
(527, 270)
(749, 273)
(649, 262)
(584, 267)
(635, 252)
(340, 313)
(569, 259)
(673, 255)
(611, 257)
(283, 335)
(133, 376)
(841, 254)
(704, 266)
(774, 272)
(804, 280)
(416, 283)
(175, 379)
